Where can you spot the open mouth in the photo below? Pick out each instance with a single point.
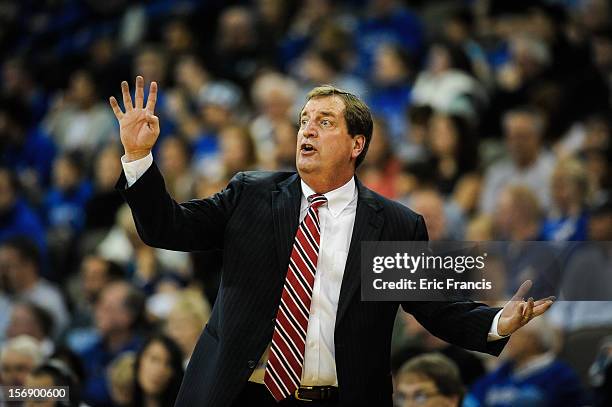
(307, 148)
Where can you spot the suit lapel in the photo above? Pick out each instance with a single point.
(368, 226)
(285, 213)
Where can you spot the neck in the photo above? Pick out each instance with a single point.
(151, 401)
(116, 340)
(525, 232)
(323, 184)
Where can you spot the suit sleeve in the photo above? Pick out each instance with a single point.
(195, 225)
(462, 323)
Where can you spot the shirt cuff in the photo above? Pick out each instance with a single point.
(135, 169)
(493, 334)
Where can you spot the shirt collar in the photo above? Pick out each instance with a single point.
(338, 199)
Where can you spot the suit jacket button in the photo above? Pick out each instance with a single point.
(251, 364)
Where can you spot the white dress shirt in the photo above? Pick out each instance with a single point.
(337, 219)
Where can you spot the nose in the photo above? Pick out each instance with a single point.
(309, 130)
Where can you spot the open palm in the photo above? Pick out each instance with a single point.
(138, 126)
(517, 312)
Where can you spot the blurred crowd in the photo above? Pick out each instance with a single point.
(492, 120)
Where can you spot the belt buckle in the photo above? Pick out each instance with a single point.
(297, 393)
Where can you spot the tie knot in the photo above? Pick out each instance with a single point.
(316, 200)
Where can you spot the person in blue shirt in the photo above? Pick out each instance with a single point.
(65, 202)
(118, 316)
(569, 218)
(532, 376)
(17, 218)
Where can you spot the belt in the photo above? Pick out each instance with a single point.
(316, 393)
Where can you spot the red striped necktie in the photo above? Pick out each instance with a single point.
(286, 358)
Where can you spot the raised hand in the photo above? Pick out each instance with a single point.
(138, 126)
(517, 312)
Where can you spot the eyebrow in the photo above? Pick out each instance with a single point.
(323, 113)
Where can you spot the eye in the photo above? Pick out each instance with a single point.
(303, 122)
(325, 123)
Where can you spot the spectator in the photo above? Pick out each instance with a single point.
(529, 164)
(24, 146)
(443, 221)
(518, 214)
(78, 120)
(102, 206)
(532, 376)
(274, 96)
(20, 260)
(34, 321)
(237, 150)
(568, 219)
(392, 92)
(174, 162)
(158, 372)
(66, 200)
(186, 320)
(447, 84)
(18, 357)
(453, 151)
(17, 217)
(381, 168)
(95, 273)
(118, 318)
(54, 373)
(429, 380)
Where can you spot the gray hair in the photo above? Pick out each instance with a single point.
(24, 345)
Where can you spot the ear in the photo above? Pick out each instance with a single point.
(359, 142)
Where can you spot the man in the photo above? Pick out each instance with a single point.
(532, 375)
(21, 264)
(18, 357)
(529, 163)
(314, 338)
(429, 380)
(118, 313)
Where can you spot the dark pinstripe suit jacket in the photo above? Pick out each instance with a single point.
(254, 221)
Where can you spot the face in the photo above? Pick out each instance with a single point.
(39, 382)
(14, 368)
(14, 268)
(155, 369)
(23, 322)
(65, 175)
(443, 136)
(108, 168)
(110, 313)
(522, 139)
(564, 190)
(324, 147)
(94, 276)
(184, 329)
(416, 390)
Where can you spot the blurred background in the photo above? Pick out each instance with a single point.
(492, 119)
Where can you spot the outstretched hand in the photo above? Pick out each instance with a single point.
(518, 312)
(138, 126)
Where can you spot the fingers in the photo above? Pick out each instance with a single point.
(522, 291)
(542, 308)
(116, 108)
(153, 123)
(552, 298)
(127, 99)
(152, 99)
(139, 92)
(528, 313)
